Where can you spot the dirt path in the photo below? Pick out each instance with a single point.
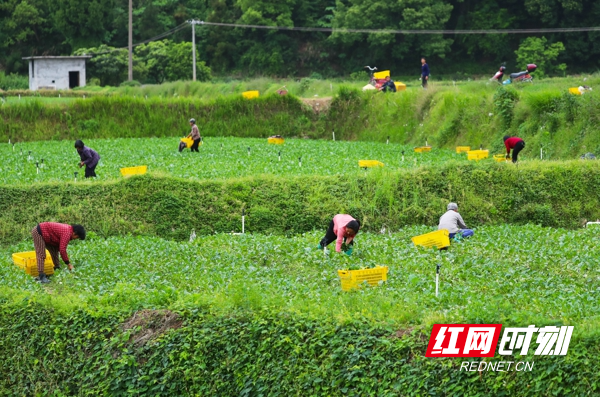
(318, 105)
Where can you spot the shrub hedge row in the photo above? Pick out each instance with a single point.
(45, 351)
(558, 194)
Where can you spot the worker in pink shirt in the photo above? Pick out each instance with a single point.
(342, 229)
(514, 143)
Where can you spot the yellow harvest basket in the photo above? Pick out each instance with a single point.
(27, 261)
(188, 142)
(462, 149)
(575, 91)
(381, 75)
(478, 154)
(500, 157)
(354, 279)
(423, 149)
(439, 239)
(250, 94)
(400, 86)
(369, 163)
(139, 170)
(275, 140)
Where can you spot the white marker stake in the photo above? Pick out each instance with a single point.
(243, 220)
(19, 97)
(437, 279)
(9, 141)
(280, 156)
(248, 150)
(299, 161)
(388, 141)
(541, 154)
(75, 176)
(333, 133)
(426, 142)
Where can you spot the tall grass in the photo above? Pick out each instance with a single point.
(544, 114)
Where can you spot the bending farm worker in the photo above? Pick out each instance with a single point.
(454, 223)
(89, 157)
(54, 237)
(514, 143)
(342, 229)
(195, 135)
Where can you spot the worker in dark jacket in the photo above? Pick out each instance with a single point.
(54, 237)
(424, 73)
(89, 157)
(514, 143)
(389, 85)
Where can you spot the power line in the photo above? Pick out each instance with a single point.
(160, 36)
(401, 31)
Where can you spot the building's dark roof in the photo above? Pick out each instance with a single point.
(60, 57)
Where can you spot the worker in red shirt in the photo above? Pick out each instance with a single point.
(514, 143)
(54, 237)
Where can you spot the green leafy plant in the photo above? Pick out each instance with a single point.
(537, 50)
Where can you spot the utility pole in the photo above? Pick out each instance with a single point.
(194, 49)
(130, 75)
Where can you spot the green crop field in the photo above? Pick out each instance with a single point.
(525, 274)
(148, 312)
(218, 158)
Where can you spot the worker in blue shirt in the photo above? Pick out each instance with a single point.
(424, 73)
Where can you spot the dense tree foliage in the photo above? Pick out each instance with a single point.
(61, 27)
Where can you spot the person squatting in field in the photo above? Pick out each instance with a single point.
(89, 157)
(514, 143)
(389, 85)
(54, 237)
(195, 135)
(342, 229)
(454, 223)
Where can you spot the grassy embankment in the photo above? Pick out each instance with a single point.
(474, 114)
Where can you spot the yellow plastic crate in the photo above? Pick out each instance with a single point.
(423, 149)
(27, 261)
(250, 94)
(369, 163)
(478, 154)
(275, 140)
(439, 239)
(381, 75)
(500, 157)
(462, 149)
(575, 91)
(354, 279)
(188, 142)
(134, 170)
(400, 86)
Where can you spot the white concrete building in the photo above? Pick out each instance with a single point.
(56, 73)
